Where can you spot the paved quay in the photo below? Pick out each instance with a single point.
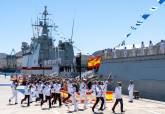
(141, 106)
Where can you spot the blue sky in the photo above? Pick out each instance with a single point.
(99, 24)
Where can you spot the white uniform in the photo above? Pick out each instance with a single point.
(47, 90)
(114, 53)
(134, 51)
(118, 91)
(130, 90)
(33, 93)
(57, 87)
(142, 49)
(73, 96)
(69, 87)
(104, 91)
(151, 48)
(27, 90)
(99, 91)
(94, 92)
(14, 92)
(40, 88)
(162, 48)
(125, 52)
(83, 90)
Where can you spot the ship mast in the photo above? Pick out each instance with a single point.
(43, 23)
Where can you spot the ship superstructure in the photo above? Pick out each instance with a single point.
(145, 65)
(42, 54)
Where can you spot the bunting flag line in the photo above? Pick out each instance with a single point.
(133, 28)
(123, 43)
(138, 23)
(153, 8)
(128, 35)
(145, 16)
(161, 1)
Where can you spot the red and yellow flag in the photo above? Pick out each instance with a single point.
(94, 62)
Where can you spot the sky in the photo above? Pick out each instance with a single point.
(99, 24)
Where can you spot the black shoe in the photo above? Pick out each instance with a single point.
(9, 101)
(131, 101)
(16, 103)
(101, 109)
(122, 111)
(113, 110)
(93, 110)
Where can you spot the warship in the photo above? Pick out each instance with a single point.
(145, 66)
(42, 56)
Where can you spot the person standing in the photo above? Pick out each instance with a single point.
(142, 49)
(83, 90)
(133, 50)
(162, 47)
(118, 92)
(14, 92)
(125, 51)
(130, 91)
(150, 48)
(99, 96)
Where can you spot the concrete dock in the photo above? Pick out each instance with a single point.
(141, 106)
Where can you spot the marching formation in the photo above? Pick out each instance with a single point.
(45, 89)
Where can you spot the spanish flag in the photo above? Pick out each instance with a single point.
(97, 62)
(94, 62)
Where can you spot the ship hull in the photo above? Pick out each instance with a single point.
(147, 72)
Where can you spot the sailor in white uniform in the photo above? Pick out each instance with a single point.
(114, 53)
(40, 88)
(83, 89)
(27, 94)
(47, 94)
(105, 84)
(162, 47)
(53, 87)
(47, 91)
(99, 96)
(118, 92)
(125, 51)
(73, 97)
(130, 91)
(14, 92)
(94, 90)
(57, 87)
(133, 50)
(142, 49)
(150, 48)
